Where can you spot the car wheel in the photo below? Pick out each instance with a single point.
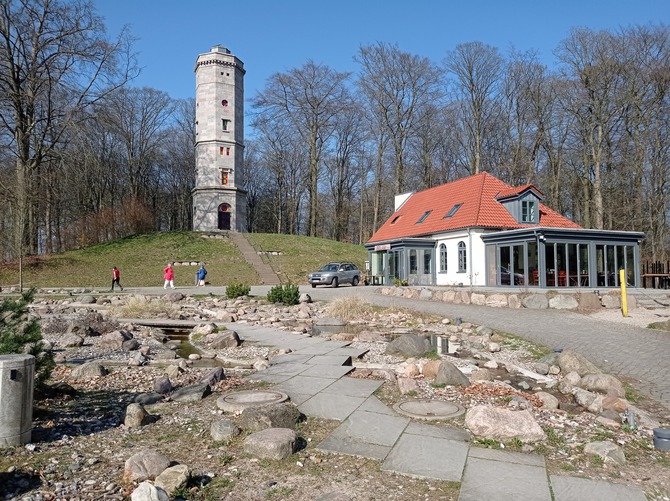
(333, 283)
(313, 286)
(354, 282)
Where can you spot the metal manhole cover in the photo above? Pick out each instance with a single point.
(240, 400)
(429, 409)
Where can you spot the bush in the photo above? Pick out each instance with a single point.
(20, 333)
(287, 294)
(237, 290)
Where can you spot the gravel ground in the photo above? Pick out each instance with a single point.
(80, 443)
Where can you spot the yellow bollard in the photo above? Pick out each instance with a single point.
(624, 298)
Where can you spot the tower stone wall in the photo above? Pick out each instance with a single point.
(219, 200)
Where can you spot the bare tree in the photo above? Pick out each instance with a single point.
(310, 97)
(397, 86)
(477, 69)
(55, 61)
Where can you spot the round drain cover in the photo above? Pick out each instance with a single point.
(240, 400)
(429, 409)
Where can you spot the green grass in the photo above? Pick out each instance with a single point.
(301, 255)
(141, 259)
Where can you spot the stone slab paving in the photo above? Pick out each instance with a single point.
(330, 360)
(354, 387)
(427, 457)
(330, 406)
(578, 489)
(305, 385)
(333, 371)
(314, 377)
(503, 481)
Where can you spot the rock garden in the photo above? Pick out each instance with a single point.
(131, 411)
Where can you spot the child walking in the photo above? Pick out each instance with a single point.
(202, 273)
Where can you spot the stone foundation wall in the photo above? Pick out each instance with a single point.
(581, 301)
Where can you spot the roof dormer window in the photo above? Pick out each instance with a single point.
(528, 211)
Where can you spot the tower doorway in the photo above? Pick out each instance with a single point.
(224, 217)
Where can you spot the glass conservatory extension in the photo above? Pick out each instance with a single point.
(558, 257)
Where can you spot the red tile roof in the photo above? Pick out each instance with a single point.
(480, 208)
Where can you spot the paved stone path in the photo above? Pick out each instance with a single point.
(314, 375)
(622, 350)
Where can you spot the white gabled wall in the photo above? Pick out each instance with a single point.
(476, 257)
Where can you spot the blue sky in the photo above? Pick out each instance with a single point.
(275, 36)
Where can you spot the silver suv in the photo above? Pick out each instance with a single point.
(334, 274)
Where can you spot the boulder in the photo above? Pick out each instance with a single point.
(214, 376)
(173, 478)
(448, 374)
(223, 429)
(146, 464)
(148, 492)
(608, 451)
(407, 385)
(409, 345)
(603, 383)
(271, 443)
(192, 393)
(71, 341)
(114, 340)
(162, 385)
(535, 302)
(174, 297)
(130, 345)
(563, 302)
(590, 401)
(223, 340)
(570, 361)
(282, 415)
(137, 416)
(549, 401)
(204, 329)
(304, 298)
(88, 370)
(501, 424)
(429, 369)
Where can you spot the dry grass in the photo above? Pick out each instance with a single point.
(349, 308)
(142, 307)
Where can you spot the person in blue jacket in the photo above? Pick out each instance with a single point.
(202, 273)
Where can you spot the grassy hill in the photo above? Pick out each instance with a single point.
(141, 259)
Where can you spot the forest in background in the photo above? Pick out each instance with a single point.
(87, 158)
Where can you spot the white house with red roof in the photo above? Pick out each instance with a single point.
(480, 231)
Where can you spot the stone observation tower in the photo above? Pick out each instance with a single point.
(219, 202)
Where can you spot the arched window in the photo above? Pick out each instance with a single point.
(462, 258)
(443, 258)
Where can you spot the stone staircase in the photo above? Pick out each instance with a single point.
(265, 272)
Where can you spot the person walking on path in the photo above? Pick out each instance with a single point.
(116, 278)
(168, 275)
(202, 273)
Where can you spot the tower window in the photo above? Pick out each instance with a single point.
(224, 177)
(228, 151)
(221, 150)
(224, 103)
(224, 124)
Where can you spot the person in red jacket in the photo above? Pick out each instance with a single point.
(116, 278)
(168, 275)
